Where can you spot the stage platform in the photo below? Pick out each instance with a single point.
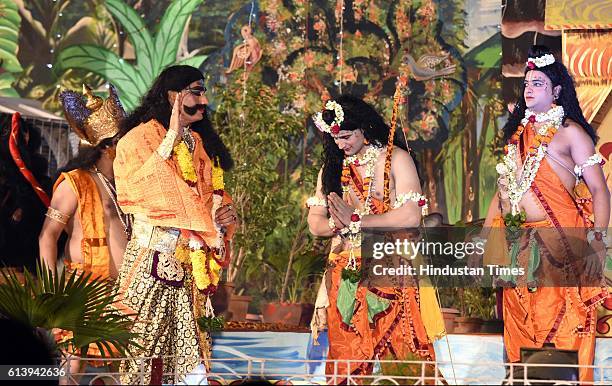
(478, 357)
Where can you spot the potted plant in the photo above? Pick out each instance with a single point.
(477, 305)
(250, 116)
(296, 273)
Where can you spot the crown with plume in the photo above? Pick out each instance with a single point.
(93, 119)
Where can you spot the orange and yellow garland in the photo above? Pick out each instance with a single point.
(206, 262)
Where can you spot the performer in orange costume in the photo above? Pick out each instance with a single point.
(169, 173)
(98, 234)
(552, 175)
(367, 322)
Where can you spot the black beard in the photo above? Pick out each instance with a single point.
(193, 110)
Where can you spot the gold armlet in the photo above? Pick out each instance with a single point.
(58, 216)
(165, 148)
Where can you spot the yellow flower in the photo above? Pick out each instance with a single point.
(182, 254)
(206, 270)
(185, 162)
(198, 264)
(217, 177)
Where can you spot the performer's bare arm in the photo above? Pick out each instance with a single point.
(581, 148)
(406, 179)
(65, 202)
(318, 216)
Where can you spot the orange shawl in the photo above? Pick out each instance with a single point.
(151, 186)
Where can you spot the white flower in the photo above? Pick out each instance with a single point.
(501, 168)
(542, 61)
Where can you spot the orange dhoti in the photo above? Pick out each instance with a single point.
(385, 323)
(562, 310)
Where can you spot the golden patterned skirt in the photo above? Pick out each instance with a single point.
(157, 291)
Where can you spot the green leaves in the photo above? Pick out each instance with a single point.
(138, 35)
(10, 22)
(129, 82)
(170, 31)
(153, 54)
(73, 302)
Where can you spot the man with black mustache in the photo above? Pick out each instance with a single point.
(169, 176)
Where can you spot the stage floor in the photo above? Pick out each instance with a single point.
(473, 356)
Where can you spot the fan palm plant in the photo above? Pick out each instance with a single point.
(69, 301)
(153, 54)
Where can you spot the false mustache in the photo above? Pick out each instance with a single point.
(192, 110)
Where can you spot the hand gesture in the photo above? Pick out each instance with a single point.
(340, 211)
(176, 119)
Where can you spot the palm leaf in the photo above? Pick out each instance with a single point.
(9, 35)
(170, 31)
(139, 36)
(73, 302)
(99, 60)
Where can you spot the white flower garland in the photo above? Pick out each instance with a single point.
(595, 159)
(508, 167)
(368, 159)
(316, 201)
(335, 125)
(354, 228)
(420, 199)
(542, 61)
(554, 116)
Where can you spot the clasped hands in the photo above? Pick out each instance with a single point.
(339, 210)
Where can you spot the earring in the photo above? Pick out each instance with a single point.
(366, 142)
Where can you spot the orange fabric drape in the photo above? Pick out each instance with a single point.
(151, 186)
(564, 316)
(95, 253)
(395, 332)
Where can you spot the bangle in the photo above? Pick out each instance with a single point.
(57, 216)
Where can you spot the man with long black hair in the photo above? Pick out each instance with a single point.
(551, 184)
(84, 203)
(169, 173)
(367, 322)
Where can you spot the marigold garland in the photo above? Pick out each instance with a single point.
(185, 163)
(206, 271)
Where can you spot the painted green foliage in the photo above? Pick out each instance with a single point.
(153, 53)
(10, 22)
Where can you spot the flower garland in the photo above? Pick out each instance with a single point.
(420, 199)
(595, 159)
(334, 128)
(508, 167)
(354, 228)
(185, 163)
(554, 116)
(316, 201)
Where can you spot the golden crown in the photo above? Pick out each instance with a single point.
(94, 119)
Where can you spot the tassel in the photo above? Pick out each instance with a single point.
(209, 311)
